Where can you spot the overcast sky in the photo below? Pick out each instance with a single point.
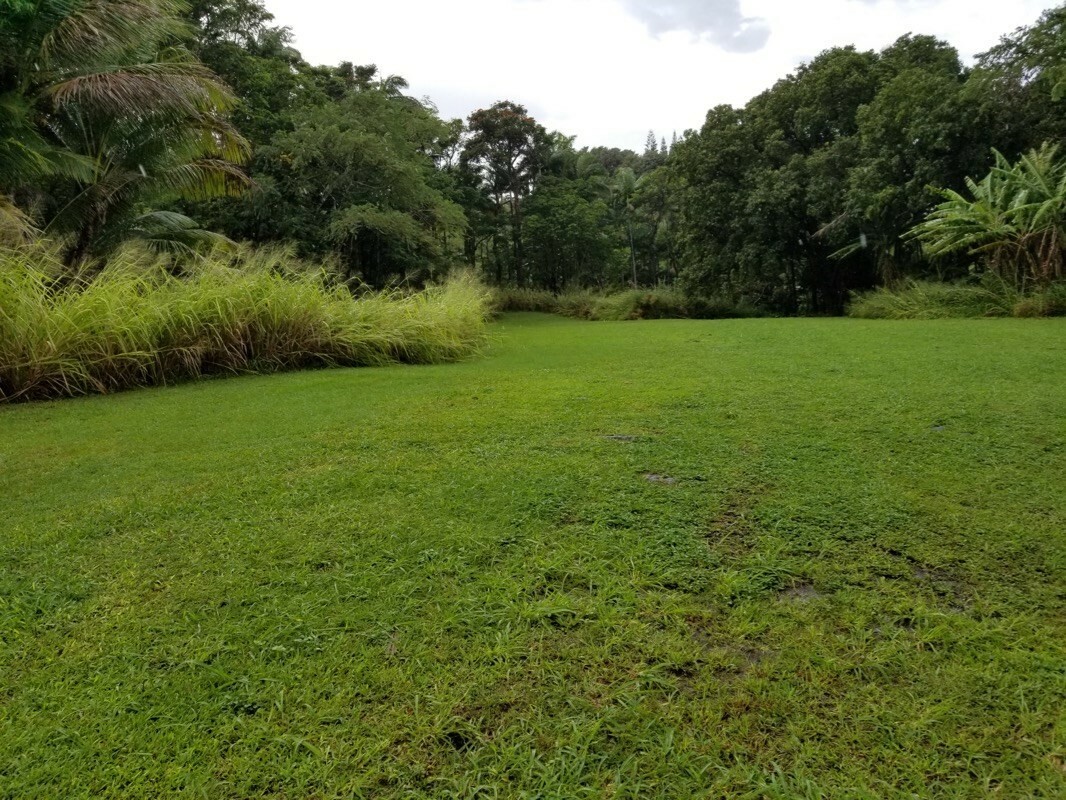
(610, 70)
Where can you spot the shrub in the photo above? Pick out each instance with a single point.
(641, 304)
(524, 300)
(993, 297)
(138, 324)
(578, 304)
(1049, 302)
(926, 300)
(629, 304)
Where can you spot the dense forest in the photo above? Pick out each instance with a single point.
(179, 124)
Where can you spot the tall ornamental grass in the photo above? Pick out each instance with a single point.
(138, 324)
(993, 297)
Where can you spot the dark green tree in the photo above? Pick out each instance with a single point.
(507, 150)
(1020, 85)
(567, 238)
(357, 177)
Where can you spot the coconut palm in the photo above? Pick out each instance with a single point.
(111, 105)
(1014, 219)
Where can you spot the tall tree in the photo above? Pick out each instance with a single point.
(918, 132)
(566, 237)
(358, 177)
(507, 149)
(1024, 79)
(804, 195)
(653, 157)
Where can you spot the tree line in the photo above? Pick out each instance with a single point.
(175, 123)
(809, 192)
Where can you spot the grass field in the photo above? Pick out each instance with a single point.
(752, 558)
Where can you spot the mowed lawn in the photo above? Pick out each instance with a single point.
(679, 559)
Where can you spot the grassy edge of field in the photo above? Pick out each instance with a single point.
(138, 324)
(991, 297)
(911, 299)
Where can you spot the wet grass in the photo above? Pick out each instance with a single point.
(762, 558)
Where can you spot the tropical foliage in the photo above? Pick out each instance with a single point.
(128, 120)
(109, 118)
(1014, 219)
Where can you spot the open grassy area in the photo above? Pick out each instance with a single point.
(762, 558)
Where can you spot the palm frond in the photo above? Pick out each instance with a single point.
(1015, 218)
(180, 87)
(204, 179)
(171, 233)
(109, 99)
(99, 30)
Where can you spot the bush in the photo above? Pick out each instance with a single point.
(993, 297)
(524, 300)
(629, 304)
(926, 300)
(1050, 302)
(137, 324)
(640, 304)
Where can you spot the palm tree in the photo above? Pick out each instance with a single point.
(1015, 219)
(119, 113)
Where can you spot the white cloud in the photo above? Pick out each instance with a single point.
(608, 70)
(719, 21)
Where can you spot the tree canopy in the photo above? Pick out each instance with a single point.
(130, 119)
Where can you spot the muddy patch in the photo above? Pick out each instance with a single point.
(732, 530)
(801, 594)
(941, 582)
(664, 480)
(624, 438)
(735, 661)
(458, 741)
(727, 659)
(753, 657)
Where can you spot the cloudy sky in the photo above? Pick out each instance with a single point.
(610, 70)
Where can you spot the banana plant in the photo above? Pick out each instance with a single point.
(1014, 219)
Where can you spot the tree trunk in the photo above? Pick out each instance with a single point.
(793, 298)
(516, 235)
(78, 252)
(470, 249)
(497, 259)
(632, 253)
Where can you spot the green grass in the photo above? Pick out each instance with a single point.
(845, 581)
(136, 324)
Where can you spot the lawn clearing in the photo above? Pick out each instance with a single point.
(766, 558)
